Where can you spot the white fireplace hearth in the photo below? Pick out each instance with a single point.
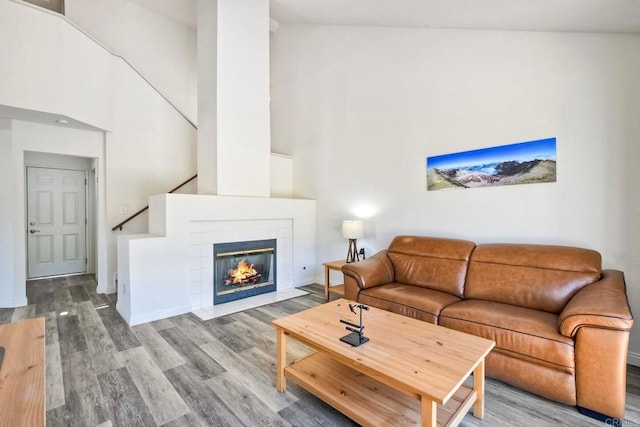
(209, 313)
(170, 271)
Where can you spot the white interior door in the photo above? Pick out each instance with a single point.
(56, 221)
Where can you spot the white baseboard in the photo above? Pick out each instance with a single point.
(633, 358)
(156, 315)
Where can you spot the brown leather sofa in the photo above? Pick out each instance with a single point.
(561, 323)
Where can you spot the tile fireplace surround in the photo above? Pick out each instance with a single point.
(204, 234)
(170, 271)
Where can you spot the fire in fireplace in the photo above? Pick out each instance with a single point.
(243, 273)
(243, 269)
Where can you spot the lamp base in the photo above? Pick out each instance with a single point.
(352, 253)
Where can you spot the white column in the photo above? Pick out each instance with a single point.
(207, 96)
(233, 91)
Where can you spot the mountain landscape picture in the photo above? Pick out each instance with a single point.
(522, 163)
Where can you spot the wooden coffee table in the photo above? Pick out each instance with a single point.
(410, 372)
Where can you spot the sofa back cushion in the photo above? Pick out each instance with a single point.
(431, 262)
(540, 277)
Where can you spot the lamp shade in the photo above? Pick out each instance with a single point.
(352, 229)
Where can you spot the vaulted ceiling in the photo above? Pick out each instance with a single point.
(532, 15)
(617, 16)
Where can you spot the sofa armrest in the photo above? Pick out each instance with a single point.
(377, 270)
(602, 304)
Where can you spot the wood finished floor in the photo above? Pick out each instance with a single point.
(184, 372)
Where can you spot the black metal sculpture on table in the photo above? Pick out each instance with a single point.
(356, 337)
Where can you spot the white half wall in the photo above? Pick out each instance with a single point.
(166, 273)
(360, 109)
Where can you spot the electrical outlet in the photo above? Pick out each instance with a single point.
(124, 209)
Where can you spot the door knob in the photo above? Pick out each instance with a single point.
(34, 231)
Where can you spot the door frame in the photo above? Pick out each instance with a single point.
(77, 163)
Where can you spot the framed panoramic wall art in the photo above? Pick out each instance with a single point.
(522, 163)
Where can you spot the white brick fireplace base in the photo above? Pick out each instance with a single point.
(170, 271)
(204, 234)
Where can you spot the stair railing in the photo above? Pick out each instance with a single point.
(119, 226)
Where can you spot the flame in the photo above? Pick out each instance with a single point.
(243, 273)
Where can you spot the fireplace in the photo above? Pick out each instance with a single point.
(243, 269)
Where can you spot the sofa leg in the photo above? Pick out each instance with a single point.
(610, 421)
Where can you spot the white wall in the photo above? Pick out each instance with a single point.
(48, 65)
(161, 49)
(360, 109)
(151, 150)
(12, 293)
(281, 175)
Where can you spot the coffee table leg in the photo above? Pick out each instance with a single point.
(326, 282)
(429, 411)
(281, 359)
(478, 387)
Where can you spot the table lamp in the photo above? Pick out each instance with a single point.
(352, 230)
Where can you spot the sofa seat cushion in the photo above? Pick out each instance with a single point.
(413, 301)
(517, 330)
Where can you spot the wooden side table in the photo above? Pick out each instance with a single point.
(328, 287)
